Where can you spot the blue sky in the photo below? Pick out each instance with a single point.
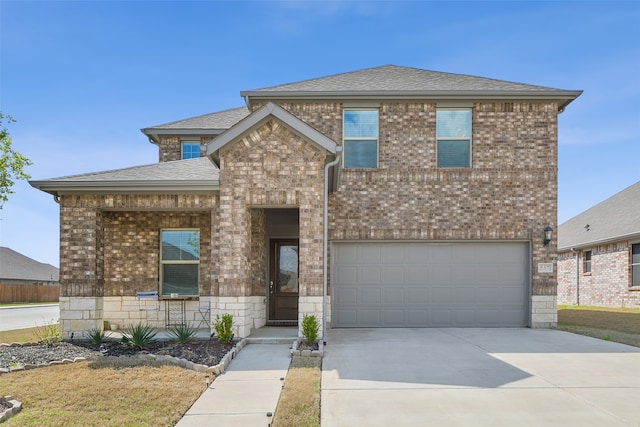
(83, 77)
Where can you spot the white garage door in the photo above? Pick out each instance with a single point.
(417, 284)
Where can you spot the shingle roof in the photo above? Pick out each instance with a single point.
(220, 120)
(395, 80)
(191, 174)
(617, 218)
(14, 265)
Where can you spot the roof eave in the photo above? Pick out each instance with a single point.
(154, 133)
(628, 236)
(567, 96)
(120, 187)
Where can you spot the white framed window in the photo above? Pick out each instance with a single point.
(453, 135)
(360, 138)
(190, 149)
(179, 262)
(635, 264)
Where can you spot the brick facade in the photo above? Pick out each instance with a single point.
(608, 282)
(270, 167)
(109, 243)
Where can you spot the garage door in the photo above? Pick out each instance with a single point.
(382, 284)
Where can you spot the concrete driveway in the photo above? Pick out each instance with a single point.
(479, 377)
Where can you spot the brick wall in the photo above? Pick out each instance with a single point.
(509, 193)
(116, 237)
(606, 285)
(132, 256)
(269, 167)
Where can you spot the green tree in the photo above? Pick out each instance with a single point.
(12, 163)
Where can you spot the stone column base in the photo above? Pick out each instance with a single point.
(248, 312)
(544, 311)
(78, 315)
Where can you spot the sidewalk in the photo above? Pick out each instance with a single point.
(249, 388)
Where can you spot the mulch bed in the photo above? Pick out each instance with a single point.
(204, 352)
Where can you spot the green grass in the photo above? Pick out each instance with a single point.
(611, 324)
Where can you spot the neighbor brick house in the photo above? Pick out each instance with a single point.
(599, 253)
(438, 189)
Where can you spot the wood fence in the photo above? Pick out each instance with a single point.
(28, 293)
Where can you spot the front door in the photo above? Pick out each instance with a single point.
(283, 280)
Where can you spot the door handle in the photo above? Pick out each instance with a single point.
(271, 286)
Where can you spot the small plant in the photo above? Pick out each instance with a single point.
(96, 336)
(223, 328)
(181, 333)
(49, 334)
(310, 328)
(138, 336)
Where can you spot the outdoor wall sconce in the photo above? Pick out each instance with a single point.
(548, 231)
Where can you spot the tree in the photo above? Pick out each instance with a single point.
(12, 163)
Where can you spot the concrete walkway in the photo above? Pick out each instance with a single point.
(251, 385)
(479, 377)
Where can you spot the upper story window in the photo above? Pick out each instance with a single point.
(179, 262)
(586, 262)
(190, 149)
(453, 133)
(635, 264)
(360, 133)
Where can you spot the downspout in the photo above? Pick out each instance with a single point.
(324, 241)
(577, 275)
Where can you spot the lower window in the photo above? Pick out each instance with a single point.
(179, 262)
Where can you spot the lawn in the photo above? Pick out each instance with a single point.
(299, 404)
(106, 393)
(612, 324)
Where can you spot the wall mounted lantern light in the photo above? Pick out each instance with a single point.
(548, 231)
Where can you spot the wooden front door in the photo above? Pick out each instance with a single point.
(283, 280)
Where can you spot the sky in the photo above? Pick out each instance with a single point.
(81, 78)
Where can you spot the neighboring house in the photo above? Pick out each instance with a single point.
(439, 187)
(599, 253)
(17, 269)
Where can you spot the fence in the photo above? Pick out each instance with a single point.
(28, 293)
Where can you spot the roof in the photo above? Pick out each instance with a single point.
(393, 81)
(206, 124)
(14, 265)
(617, 218)
(260, 116)
(190, 175)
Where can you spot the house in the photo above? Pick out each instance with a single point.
(384, 197)
(16, 268)
(599, 253)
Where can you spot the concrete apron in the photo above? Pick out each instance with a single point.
(491, 377)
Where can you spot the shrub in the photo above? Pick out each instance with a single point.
(224, 328)
(310, 328)
(96, 336)
(49, 334)
(138, 336)
(181, 333)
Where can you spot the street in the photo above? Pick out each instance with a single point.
(28, 316)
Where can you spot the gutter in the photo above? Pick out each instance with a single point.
(324, 241)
